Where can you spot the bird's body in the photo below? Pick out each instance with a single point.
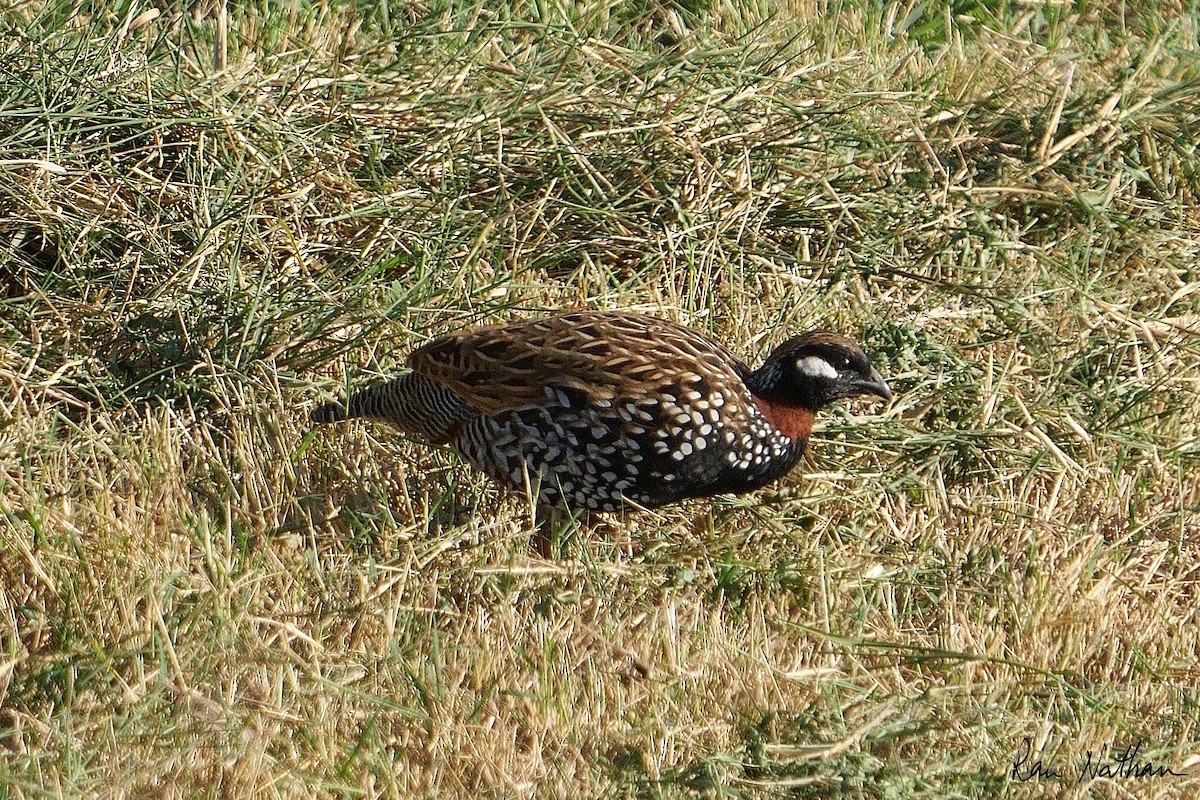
(599, 411)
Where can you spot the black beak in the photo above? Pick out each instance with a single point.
(874, 384)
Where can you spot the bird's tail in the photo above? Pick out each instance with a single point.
(412, 403)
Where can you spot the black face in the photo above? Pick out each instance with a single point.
(818, 368)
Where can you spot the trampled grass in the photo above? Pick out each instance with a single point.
(213, 217)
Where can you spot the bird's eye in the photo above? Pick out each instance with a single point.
(845, 362)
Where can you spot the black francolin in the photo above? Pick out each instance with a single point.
(599, 411)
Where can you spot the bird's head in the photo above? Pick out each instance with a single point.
(817, 368)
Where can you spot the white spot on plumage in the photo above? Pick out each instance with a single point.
(556, 395)
(816, 367)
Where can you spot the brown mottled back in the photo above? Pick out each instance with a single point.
(601, 355)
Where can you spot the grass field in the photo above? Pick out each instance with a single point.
(213, 217)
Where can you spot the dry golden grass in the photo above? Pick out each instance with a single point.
(213, 218)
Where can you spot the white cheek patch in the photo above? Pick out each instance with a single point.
(816, 367)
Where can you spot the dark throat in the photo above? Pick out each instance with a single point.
(792, 420)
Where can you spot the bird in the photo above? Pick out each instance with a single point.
(612, 411)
